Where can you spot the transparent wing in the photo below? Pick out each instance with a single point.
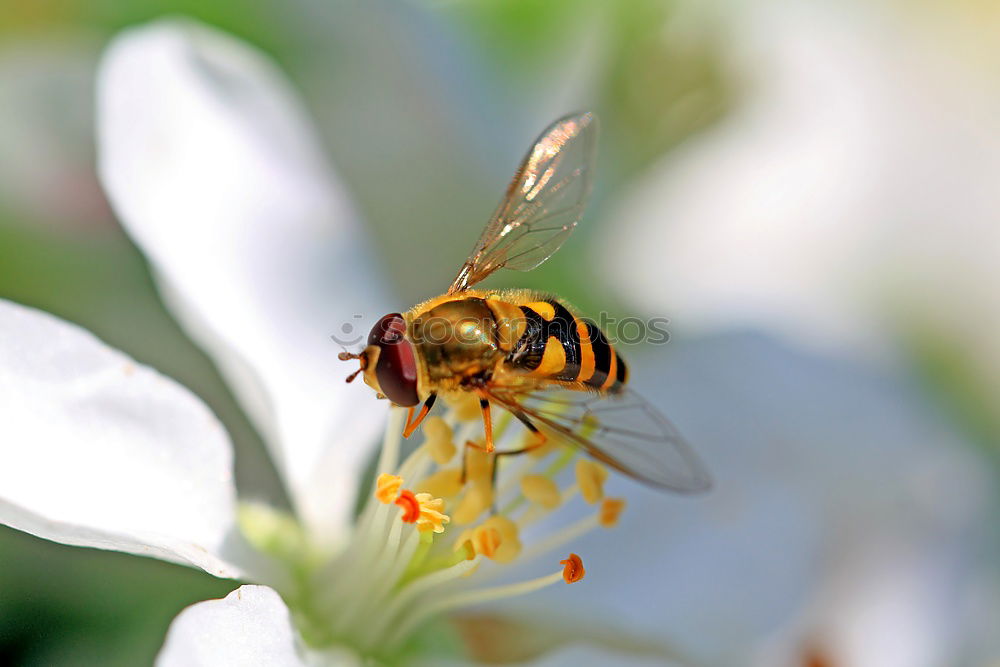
(542, 205)
(623, 431)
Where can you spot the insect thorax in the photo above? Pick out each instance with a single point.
(457, 339)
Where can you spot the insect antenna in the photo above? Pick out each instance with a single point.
(347, 356)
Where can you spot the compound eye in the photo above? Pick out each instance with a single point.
(396, 368)
(389, 329)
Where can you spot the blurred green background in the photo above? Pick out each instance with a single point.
(459, 86)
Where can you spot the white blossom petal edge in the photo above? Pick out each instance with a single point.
(214, 170)
(103, 452)
(250, 626)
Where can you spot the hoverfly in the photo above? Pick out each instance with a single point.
(523, 351)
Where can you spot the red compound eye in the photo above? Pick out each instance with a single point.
(396, 368)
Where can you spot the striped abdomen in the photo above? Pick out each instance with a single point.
(559, 346)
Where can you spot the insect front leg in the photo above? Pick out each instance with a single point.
(411, 423)
(540, 440)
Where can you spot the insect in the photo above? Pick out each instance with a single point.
(523, 351)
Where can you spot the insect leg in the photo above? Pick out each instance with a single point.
(541, 438)
(412, 424)
(469, 444)
(484, 405)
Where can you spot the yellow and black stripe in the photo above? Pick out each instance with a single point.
(557, 345)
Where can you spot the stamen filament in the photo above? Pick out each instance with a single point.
(468, 598)
(389, 457)
(384, 583)
(568, 534)
(397, 575)
(415, 588)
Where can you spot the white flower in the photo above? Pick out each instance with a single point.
(83, 420)
(211, 166)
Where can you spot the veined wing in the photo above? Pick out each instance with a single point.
(542, 205)
(623, 431)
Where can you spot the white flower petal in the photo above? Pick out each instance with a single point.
(250, 626)
(824, 473)
(214, 170)
(103, 452)
(815, 209)
(761, 220)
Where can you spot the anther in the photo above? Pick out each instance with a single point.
(488, 540)
(590, 478)
(541, 490)
(445, 483)
(387, 487)
(479, 464)
(475, 501)
(432, 516)
(572, 569)
(497, 539)
(436, 428)
(610, 510)
(441, 450)
(424, 510)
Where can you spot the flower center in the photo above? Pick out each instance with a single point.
(443, 523)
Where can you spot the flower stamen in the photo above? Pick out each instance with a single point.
(573, 570)
(590, 478)
(402, 574)
(473, 597)
(387, 488)
(610, 510)
(424, 510)
(411, 506)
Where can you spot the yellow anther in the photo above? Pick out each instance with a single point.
(387, 487)
(445, 483)
(478, 464)
(436, 428)
(442, 451)
(432, 516)
(541, 490)
(506, 526)
(424, 510)
(476, 499)
(465, 405)
(610, 510)
(488, 541)
(572, 569)
(497, 539)
(590, 478)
